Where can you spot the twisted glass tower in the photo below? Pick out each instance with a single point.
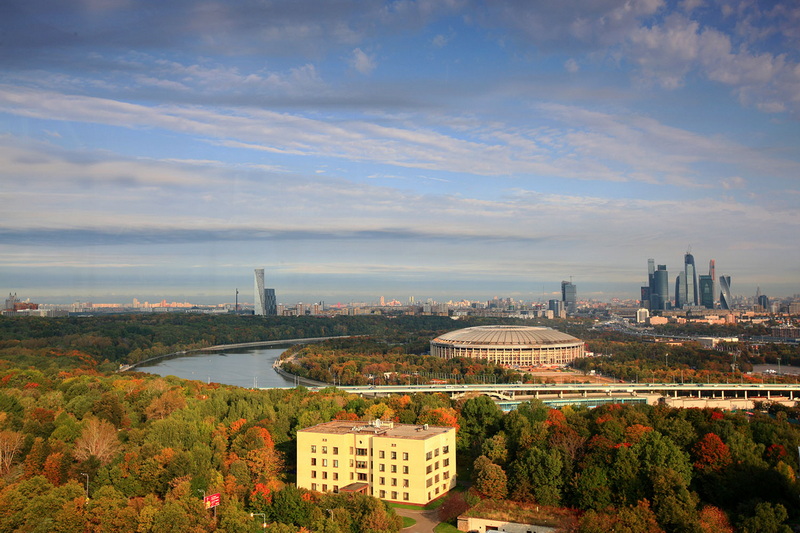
(725, 292)
(259, 298)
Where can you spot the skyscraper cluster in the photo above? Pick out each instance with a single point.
(691, 289)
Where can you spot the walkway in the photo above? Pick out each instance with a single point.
(426, 520)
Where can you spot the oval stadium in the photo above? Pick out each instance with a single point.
(514, 346)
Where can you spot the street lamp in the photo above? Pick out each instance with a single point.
(87, 484)
(263, 518)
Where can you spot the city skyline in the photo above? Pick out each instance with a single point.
(469, 149)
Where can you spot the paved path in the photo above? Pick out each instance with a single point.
(426, 520)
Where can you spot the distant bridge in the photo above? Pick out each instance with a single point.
(556, 394)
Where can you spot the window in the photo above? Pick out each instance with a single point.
(436, 465)
(324, 488)
(335, 476)
(429, 483)
(381, 468)
(437, 490)
(324, 474)
(381, 481)
(313, 461)
(351, 476)
(313, 473)
(405, 483)
(361, 451)
(394, 455)
(325, 449)
(336, 488)
(324, 462)
(361, 464)
(313, 449)
(394, 469)
(405, 470)
(381, 454)
(335, 450)
(362, 476)
(405, 496)
(313, 486)
(428, 456)
(446, 475)
(382, 494)
(394, 494)
(351, 463)
(436, 479)
(405, 456)
(336, 463)
(394, 482)
(435, 452)
(446, 449)
(446, 461)
(429, 469)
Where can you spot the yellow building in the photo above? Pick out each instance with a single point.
(403, 463)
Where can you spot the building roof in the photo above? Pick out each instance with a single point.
(505, 336)
(378, 429)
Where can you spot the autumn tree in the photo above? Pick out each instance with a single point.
(490, 479)
(98, 439)
(711, 454)
(10, 444)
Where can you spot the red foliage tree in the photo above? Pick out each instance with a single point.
(711, 454)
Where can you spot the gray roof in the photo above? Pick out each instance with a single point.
(505, 336)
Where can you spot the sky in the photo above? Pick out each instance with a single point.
(355, 149)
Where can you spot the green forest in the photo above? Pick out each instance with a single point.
(85, 449)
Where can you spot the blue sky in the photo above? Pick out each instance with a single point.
(445, 149)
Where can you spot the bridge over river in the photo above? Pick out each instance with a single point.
(508, 395)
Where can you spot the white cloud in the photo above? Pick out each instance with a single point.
(362, 62)
(571, 66)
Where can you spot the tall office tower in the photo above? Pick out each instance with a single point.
(690, 279)
(680, 290)
(569, 295)
(649, 290)
(706, 291)
(645, 297)
(712, 271)
(259, 296)
(659, 293)
(763, 301)
(725, 292)
(270, 303)
(557, 307)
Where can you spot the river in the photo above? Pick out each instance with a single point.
(243, 367)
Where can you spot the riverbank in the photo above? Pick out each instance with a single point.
(222, 347)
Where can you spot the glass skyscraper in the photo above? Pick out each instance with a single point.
(725, 292)
(569, 295)
(707, 291)
(690, 280)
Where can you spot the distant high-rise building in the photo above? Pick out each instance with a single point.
(763, 301)
(569, 295)
(706, 291)
(712, 271)
(649, 290)
(270, 302)
(725, 301)
(259, 296)
(659, 291)
(557, 307)
(680, 290)
(690, 280)
(265, 302)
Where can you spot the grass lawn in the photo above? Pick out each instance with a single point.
(408, 522)
(444, 527)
